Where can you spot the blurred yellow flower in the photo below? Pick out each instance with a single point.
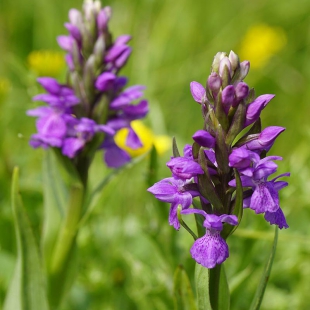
(161, 143)
(46, 63)
(260, 43)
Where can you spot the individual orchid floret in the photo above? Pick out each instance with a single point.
(127, 96)
(106, 81)
(265, 140)
(217, 59)
(103, 18)
(118, 54)
(173, 191)
(225, 65)
(204, 138)
(198, 91)
(59, 96)
(228, 97)
(241, 92)
(254, 108)
(244, 69)
(184, 168)
(234, 60)
(211, 249)
(242, 158)
(265, 193)
(214, 83)
(51, 126)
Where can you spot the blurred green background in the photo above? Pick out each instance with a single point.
(128, 252)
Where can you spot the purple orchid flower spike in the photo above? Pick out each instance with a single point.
(211, 249)
(173, 191)
(224, 150)
(98, 102)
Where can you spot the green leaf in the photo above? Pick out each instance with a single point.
(237, 124)
(221, 151)
(205, 184)
(60, 272)
(258, 298)
(247, 135)
(184, 224)
(219, 291)
(175, 149)
(55, 203)
(182, 291)
(202, 287)
(224, 295)
(27, 290)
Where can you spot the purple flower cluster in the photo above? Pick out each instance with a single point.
(85, 113)
(219, 166)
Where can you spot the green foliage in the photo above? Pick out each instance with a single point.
(258, 298)
(183, 294)
(202, 281)
(28, 288)
(218, 288)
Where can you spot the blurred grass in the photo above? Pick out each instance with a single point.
(126, 259)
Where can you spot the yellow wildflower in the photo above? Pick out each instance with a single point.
(260, 43)
(161, 143)
(46, 63)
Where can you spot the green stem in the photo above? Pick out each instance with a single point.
(65, 246)
(215, 274)
(258, 298)
(184, 224)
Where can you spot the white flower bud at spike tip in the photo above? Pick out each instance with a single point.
(225, 62)
(217, 59)
(91, 8)
(75, 17)
(244, 69)
(234, 60)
